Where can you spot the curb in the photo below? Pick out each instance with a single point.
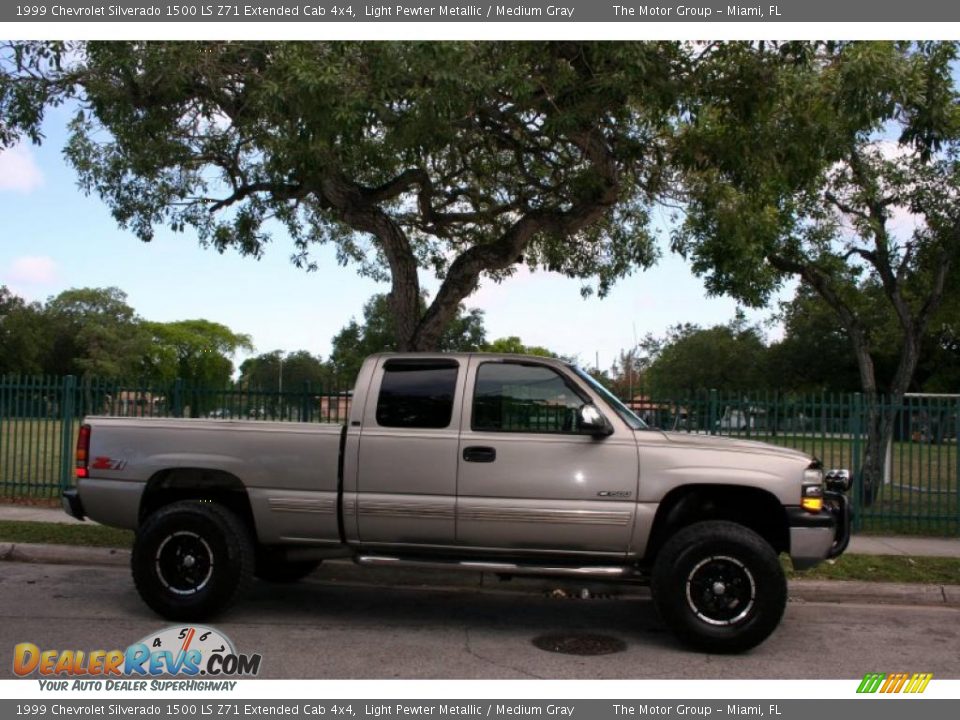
(347, 573)
(871, 593)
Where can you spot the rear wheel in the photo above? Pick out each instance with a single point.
(719, 586)
(191, 560)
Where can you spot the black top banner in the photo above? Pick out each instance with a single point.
(563, 11)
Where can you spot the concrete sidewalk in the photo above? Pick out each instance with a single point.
(907, 545)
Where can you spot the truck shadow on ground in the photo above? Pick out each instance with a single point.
(525, 610)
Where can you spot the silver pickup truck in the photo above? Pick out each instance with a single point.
(505, 464)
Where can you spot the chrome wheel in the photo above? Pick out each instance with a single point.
(721, 590)
(184, 563)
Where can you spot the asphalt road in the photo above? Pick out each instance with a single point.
(322, 629)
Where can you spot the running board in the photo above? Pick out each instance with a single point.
(500, 568)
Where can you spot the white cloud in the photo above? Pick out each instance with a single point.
(18, 170)
(32, 270)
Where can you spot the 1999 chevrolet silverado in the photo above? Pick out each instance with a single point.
(506, 464)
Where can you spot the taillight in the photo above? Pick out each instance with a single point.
(83, 451)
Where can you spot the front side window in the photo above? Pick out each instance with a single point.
(510, 397)
(417, 394)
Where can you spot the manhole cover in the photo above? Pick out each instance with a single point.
(574, 644)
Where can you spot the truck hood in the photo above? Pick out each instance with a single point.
(712, 442)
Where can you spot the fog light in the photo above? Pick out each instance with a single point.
(812, 504)
(811, 498)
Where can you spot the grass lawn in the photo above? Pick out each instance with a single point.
(64, 534)
(30, 456)
(921, 497)
(883, 568)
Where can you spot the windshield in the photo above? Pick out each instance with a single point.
(625, 413)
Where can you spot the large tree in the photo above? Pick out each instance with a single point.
(815, 176)
(94, 332)
(464, 159)
(199, 352)
(723, 357)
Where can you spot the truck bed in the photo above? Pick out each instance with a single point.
(290, 470)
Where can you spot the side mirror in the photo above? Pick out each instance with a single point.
(591, 422)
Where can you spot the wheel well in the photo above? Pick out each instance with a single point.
(169, 486)
(754, 508)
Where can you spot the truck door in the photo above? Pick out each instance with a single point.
(407, 464)
(527, 479)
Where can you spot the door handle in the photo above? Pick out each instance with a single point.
(479, 454)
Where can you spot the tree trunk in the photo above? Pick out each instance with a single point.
(881, 416)
(880, 420)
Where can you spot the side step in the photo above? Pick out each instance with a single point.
(615, 572)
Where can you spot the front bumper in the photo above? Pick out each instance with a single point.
(70, 499)
(815, 537)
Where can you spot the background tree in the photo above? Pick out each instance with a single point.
(938, 370)
(724, 357)
(356, 341)
(628, 375)
(814, 354)
(198, 351)
(23, 336)
(94, 332)
(464, 159)
(278, 371)
(514, 344)
(807, 177)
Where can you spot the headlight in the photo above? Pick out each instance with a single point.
(811, 492)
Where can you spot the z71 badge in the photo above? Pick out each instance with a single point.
(614, 493)
(107, 463)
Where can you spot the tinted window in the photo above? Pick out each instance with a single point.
(523, 398)
(417, 394)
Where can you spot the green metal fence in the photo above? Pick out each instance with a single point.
(40, 417)
(918, 492)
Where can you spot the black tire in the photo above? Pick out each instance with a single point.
(272, 567)
(719, 587)
(191, 560)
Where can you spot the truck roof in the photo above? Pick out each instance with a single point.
(468, 355)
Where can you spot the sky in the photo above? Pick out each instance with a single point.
(54, 237)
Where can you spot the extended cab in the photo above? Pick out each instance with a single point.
(507, 464)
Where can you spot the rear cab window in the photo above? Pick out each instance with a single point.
(417, 393)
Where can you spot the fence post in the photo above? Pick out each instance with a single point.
(178, 398)
(305, 403)
(856, 412)
(712, 412)
(67, 409)
(956, 463)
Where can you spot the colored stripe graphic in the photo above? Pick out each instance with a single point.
(894, 683)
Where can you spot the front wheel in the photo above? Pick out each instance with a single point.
(719, 586)
(191, 560)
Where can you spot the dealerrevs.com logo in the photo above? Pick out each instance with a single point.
(192, 652)
(889, 683)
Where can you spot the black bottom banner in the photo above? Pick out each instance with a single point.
(872, 708)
